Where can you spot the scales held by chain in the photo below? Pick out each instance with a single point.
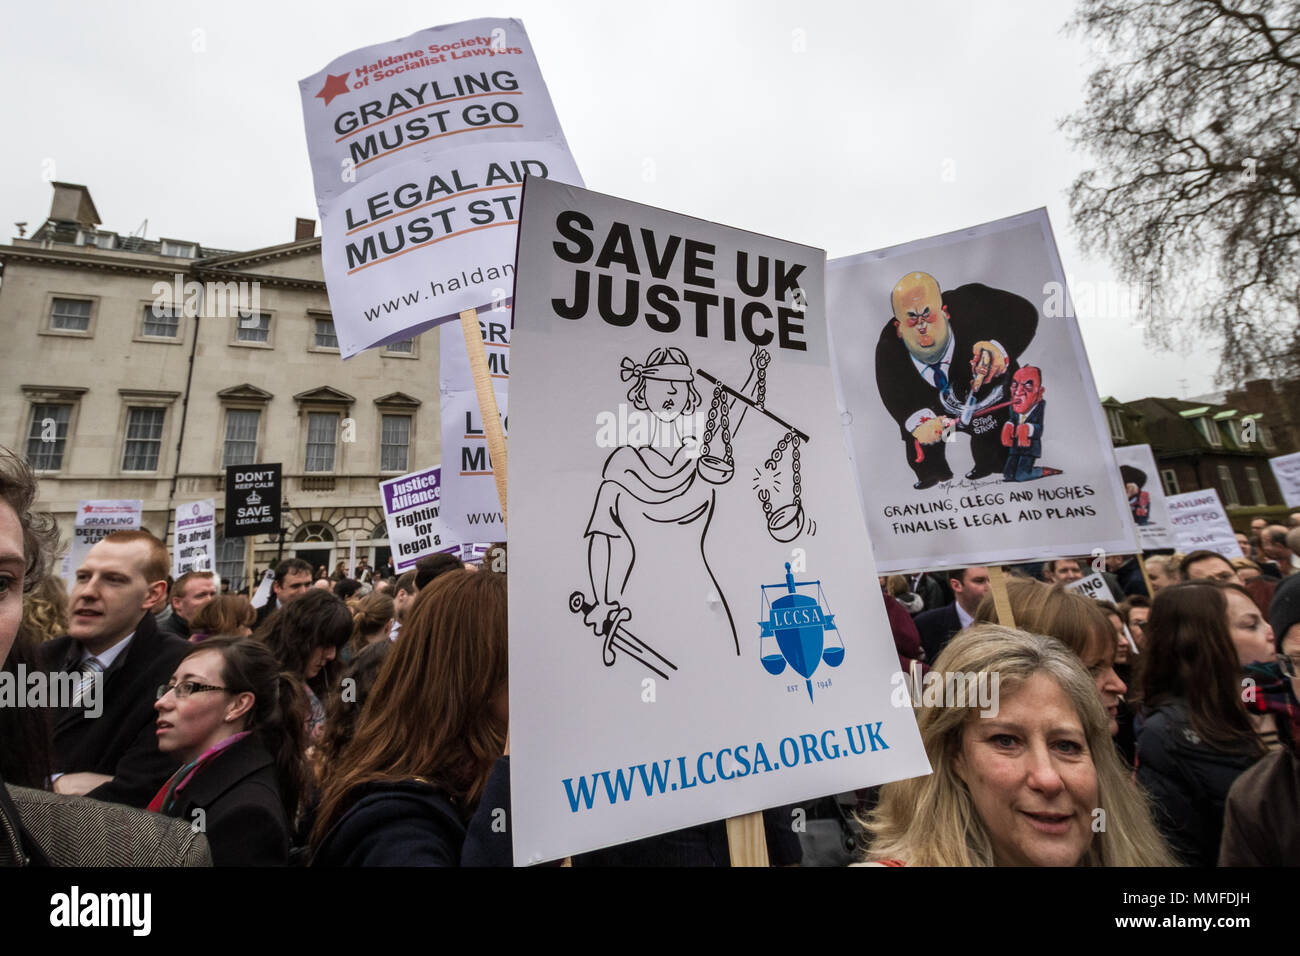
(786, 522)
(802, 627)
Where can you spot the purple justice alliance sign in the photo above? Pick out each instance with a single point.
(411, 505)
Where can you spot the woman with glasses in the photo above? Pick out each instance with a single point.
(1203, 725)
(238, 723)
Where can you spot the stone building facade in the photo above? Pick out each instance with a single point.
(141, 368)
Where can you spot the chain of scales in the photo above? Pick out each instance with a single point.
(720, 470)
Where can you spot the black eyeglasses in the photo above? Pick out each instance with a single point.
(184, 689)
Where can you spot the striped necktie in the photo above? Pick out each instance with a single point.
(89, 668)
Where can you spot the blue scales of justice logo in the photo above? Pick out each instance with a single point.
(801, 625)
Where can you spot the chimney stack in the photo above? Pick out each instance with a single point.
(303, 229)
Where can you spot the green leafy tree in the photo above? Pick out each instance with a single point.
(1194, 124)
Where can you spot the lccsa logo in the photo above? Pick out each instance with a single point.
(803, 628)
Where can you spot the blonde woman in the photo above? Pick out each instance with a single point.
(1037, 784)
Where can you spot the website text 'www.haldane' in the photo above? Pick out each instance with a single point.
(710, 767)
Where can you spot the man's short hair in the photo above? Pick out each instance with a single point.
(347, 588)
(158, 565)
(291, 566)
(178, 588)
(406, 583)
(1293, 540)
(1274, 534)
(1204, 554)
(426, 569)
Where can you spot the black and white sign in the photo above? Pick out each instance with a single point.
(252, 499)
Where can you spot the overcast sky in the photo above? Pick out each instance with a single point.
(848, 126)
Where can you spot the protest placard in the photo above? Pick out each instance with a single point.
(253, 499)
(692, 636)
(1199, 522)
(427, 238)
(1093, 586)
(96, 520)
(1286, 469)
(947, 351)
(1146, 497)
(470, 508)
(195, 548)
(459, 84)
(411, 508)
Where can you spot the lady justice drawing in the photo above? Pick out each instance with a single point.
(656, 598)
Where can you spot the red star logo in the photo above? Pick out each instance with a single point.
(88, 509)
(334, 86)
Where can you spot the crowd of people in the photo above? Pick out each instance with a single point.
(361, 717)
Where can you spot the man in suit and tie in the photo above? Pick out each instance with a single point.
(292, 581)
(1022, 433)
(943, 362)
(109, 751)
(938, 626)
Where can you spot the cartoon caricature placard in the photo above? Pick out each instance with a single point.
(972, 417)
(1146, 496)
(695, 630)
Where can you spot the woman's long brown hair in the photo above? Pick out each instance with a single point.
(1190, 655)
(431, 713)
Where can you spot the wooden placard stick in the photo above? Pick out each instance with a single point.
(998, 582)
(248, 564)
(747, 840)
(487, 401)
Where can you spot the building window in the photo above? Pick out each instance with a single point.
(404, 347)
(1115, 419)
(1256, 486)
(163, 323)
(395, 441)
(1233, 433)
(1169, 478)
(144, 427)
(1229, 488)
(1266, 436)
(48, 436)
(322, 431)
(183, 250)
(241, 437)
(70, 315)
(253, 327)
(325, 337)
(230, 561)
(1209, 431)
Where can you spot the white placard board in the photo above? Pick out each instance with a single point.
(1286, 469)
(1200, 522)
(425, 239)
(952, 476)
(1146, 496)
(1093, 586)
(724, 686)
(97, 519)
(471, 507)
(195, 547)
(445, 87)
(412, 508)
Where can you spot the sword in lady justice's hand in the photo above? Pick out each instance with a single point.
(619, 637)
